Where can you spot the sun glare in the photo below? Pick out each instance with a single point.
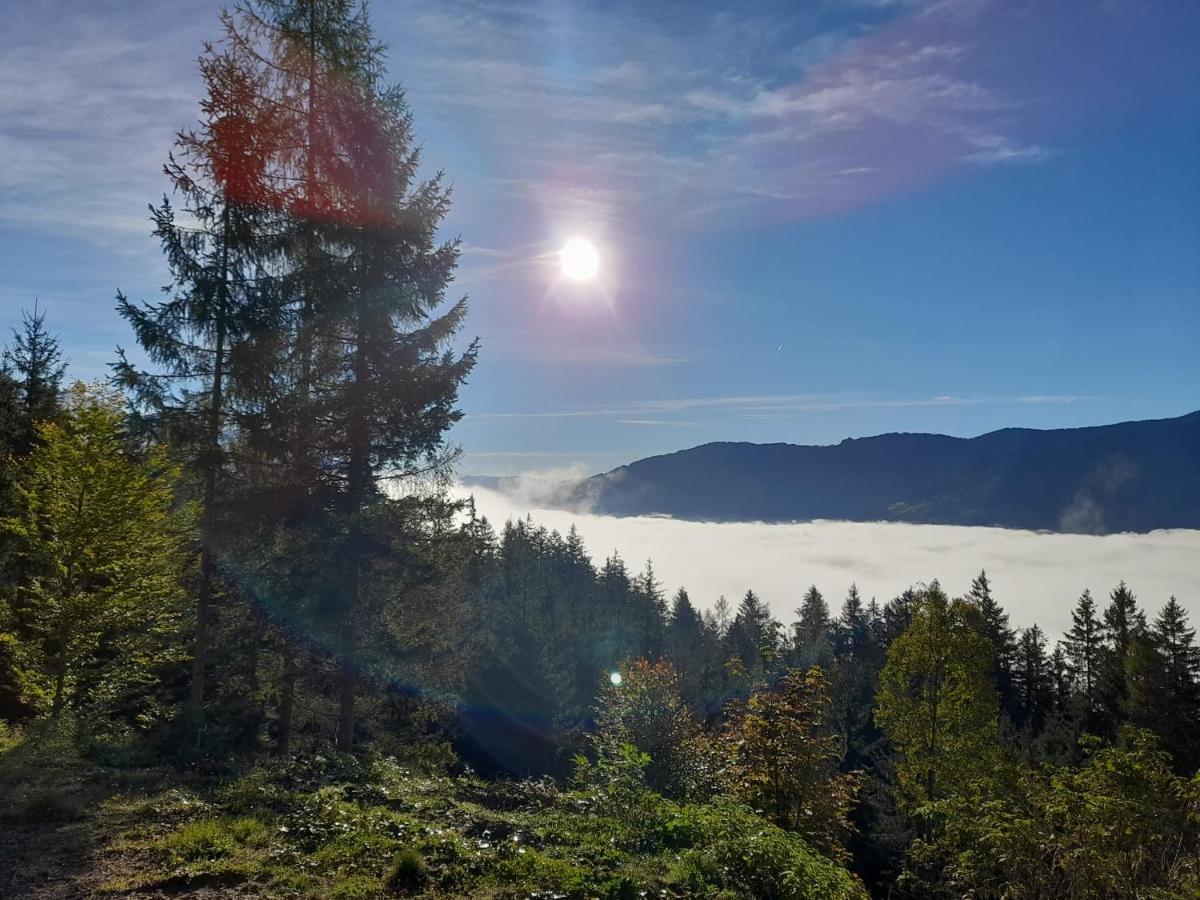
(579, 259)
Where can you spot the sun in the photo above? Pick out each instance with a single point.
(579, 259)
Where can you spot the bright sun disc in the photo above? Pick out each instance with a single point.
(579, 259)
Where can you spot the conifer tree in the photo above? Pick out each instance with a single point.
(33, 368)
(220, 305)
(810, 642)
(1002, 636)
(371, 382)
(1161, 671)
(752, 640)
(1083, 645)
(1123, 622)
(852, 629)
(1032, 680)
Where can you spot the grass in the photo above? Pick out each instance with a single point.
(339, 827)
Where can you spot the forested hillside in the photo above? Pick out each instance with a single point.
(1133, 476)
(250, 645)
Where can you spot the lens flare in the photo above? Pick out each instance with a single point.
(615, 678)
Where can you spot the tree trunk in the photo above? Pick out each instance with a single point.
(287, 702)
(60, 678)
(212, 462)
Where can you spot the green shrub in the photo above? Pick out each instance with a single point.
(733, 849)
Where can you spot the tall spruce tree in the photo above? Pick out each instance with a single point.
(1123, 623)
(1002, 636)
(811, 645)
(32, 367)
(1032, 681)
(1084, 644)
(202, 338)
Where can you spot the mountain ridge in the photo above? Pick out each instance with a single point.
(1137, 476)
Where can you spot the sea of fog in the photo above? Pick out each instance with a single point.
(1036, 576)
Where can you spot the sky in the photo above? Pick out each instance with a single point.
(1035, 576)
(815, 220)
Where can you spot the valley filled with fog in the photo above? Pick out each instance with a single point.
(1037, 576)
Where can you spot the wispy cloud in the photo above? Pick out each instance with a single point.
(772, 405)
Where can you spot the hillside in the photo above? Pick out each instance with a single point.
(1133, 476)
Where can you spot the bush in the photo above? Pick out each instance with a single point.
(733, 849)
(645, 711)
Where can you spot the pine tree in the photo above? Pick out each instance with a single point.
(852, 629)
(1002, 636)
(752, 640)
(1083, 645)
(1123, 622)
(1176, 642)
(204, 339)
(370, 384)
(811, 640)
(1161, 672)
(33, 370)
(1032, 681)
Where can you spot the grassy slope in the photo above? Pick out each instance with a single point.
(329, 827)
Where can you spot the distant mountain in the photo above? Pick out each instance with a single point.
(1134, 476)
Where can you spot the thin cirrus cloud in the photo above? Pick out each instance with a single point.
(1036, 576)
(715, 118)
(701, 117)
(772, 404)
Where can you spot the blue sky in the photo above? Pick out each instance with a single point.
(816, 220)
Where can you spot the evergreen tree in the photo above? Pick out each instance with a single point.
(811, 640)
(31, 372)
(203, 339)
(1083, 645)
(1032, 681)
(752, 640)
(1161, 676)
(1002, 636)
(853, 627)
(1123, 622)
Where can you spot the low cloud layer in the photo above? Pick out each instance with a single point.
(1037, 577)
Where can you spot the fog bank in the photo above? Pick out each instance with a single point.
(1036, 576)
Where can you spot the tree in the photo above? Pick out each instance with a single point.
(645, 711)
(752, 640)
(1123, 622)
(936, 701)
(205, 338)
(810, 640)
(371, 381)
(32, 370)
(852, 630)
(783, 760)
(1002, 636)
(1083, 645)
(1032, 680)
(99, 526)
(1161, 670)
